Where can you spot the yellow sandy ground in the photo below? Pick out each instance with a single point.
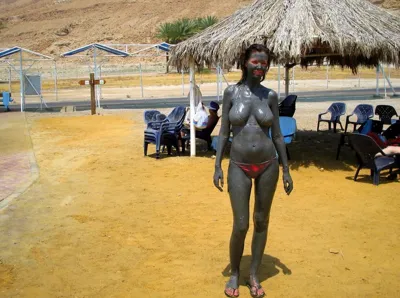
(104, 221)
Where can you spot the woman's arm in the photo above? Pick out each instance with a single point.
(224, 133)
(225, 129)
(276, 133)
(278, 141)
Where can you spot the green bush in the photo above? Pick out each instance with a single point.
(182, 29)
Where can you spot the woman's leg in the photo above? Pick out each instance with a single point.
(265, 186)
(239, 188)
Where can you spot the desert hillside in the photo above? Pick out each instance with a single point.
(53, 26)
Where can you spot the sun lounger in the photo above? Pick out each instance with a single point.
(366, 149)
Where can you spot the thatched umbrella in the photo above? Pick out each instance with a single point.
(349, 33)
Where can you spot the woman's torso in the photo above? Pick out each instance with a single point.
(251, 118)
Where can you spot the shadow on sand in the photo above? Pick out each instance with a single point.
(310, 148)
(319, 149)
(269, 268)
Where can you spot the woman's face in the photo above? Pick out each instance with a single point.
(257, 65)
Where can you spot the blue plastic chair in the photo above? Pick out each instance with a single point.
(288, 106)
(6, 100)
(385, 113)
(337, 109)
(165, 132)
(288, 129)
(150, 115)
(363, 113)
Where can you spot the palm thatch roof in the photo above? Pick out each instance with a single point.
(345, 32)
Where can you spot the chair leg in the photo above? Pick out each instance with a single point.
(145, 145)
(287, 153)
(183, 146)
(158, 146)
(178, 151)
(345, 126)
(358, 170)
(329, 126)
(376, 178)
(342, 141)
(169, 149)
(318, 125)
(341, 126)
(339, 147)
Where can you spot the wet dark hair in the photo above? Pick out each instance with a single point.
(246, 56)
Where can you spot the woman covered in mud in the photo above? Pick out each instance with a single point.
(250, 110)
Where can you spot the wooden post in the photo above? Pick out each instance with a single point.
(287, 80)
(192, 110)
(92, 82)
(9, 80)
(141, 79)
(167, 58)
(327, 75)
(92, 94)
(21, 82)
(377, 81)
(279, 81)
(218, 82)
(183, 84)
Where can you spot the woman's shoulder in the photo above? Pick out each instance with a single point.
(231, 92)
(231, 89)
(268, 91)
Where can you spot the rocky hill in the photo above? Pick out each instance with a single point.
(53, 26)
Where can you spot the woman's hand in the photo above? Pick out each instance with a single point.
(219, 178)
(287, 183)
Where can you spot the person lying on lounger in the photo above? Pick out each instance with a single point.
(390, 151)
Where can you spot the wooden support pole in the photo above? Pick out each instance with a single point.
(92, 82)
(377, 81)
(141, 79)
(279, 81)
(192, 110)
(287, 80)
(92, 94)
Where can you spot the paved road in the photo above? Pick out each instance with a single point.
(305, 96)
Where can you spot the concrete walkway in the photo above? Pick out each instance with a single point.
(18, 168)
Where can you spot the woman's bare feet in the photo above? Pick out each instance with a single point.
(232, 286)
(256, 291)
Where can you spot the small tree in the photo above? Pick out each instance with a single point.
(182, 29)
(203, 23)
(177, 31)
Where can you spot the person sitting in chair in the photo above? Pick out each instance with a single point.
(205, 133)
(213, 119)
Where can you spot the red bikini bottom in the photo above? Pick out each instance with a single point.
(254, 170)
